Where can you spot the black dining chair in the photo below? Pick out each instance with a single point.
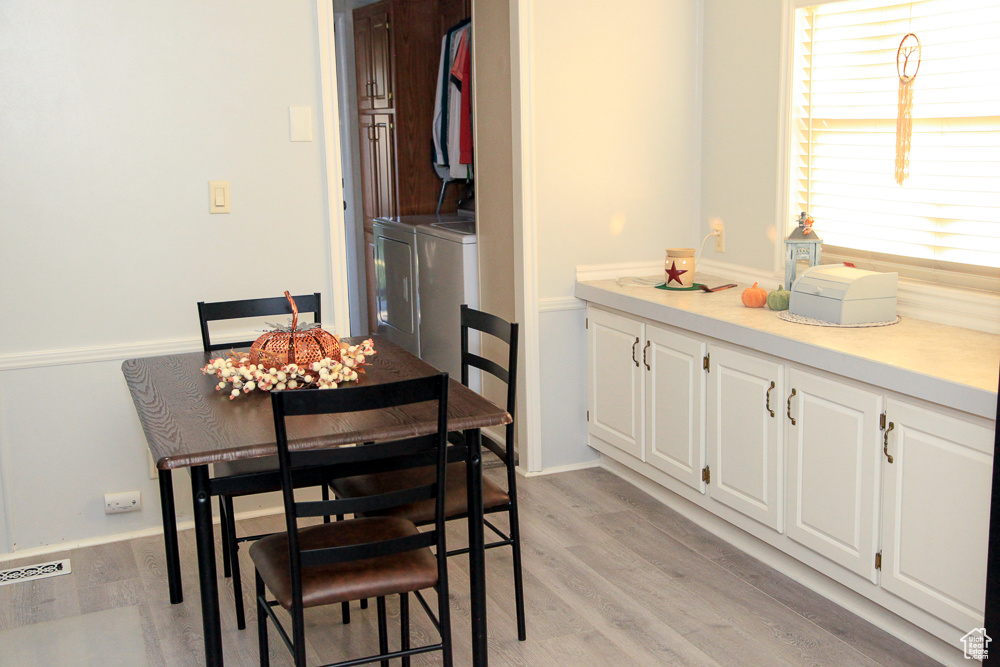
(250, 476)
(495, 498)
(374, 556)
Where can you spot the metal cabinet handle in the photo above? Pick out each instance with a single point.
(767, 401)
(633, 352)
(644, 362)
(885, 442)
(789, 411)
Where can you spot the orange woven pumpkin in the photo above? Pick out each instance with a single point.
(754, 297)
(294, 346)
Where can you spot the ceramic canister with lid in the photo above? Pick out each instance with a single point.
(679, 267)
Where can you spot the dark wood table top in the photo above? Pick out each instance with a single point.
(188, 423)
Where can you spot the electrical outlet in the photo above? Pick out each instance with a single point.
(126, 501)
(719, 228)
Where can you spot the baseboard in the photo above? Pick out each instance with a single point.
(121, 537)
(566, 468)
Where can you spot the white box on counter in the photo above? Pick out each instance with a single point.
(844, 295)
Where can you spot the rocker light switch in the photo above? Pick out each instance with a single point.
(218, 196)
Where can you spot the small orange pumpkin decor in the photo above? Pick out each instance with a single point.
(754, 297)
(291, 345)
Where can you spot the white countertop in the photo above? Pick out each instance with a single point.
(950, 366)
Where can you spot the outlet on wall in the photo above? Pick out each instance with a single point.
(126, 501)
(720, 235)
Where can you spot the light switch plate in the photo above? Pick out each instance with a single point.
(300, 124)
(218, 196)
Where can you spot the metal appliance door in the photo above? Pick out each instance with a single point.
(448, 278)
(396, 285)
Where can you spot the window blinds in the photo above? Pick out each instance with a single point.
(946, 215)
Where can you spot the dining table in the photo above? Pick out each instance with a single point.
(189, 424)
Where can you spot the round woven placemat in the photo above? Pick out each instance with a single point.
(802, 319)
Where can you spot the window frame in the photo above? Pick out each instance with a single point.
(937, 302)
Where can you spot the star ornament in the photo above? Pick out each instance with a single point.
(673, 273)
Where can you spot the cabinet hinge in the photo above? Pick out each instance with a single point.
(390, 95)
(587, 323)
(878, 560)
(392, 126)
(705, 363)
(706, 475)
(881, 422)
(588, 415)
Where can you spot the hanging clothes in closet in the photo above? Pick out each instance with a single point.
(453, 104)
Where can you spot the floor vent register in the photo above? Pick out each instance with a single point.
(33, 572)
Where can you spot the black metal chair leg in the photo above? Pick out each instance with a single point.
(345, 612)
(364, 603)
(515, 537)
(383, 630)
(265, 659)
(223, 522)
(404, 625)
(229, 535)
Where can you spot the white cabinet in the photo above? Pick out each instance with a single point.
(806, 454)
(646, 393)
(744, 434)
(614, 392)
(936, 511)
(674, 404)
(833, 469)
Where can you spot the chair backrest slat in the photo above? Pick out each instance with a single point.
(243, 308)
(488, 365)
(365, 504)
(330, 555)
(487, 323)
(410, 448)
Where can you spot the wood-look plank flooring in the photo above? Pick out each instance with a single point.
(612, 577)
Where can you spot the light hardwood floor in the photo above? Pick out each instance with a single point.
(612, 577)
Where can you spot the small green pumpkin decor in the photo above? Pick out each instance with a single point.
(778, 299)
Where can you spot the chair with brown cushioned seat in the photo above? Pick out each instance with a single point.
(495, 499)
(251, 476)
(357, 558)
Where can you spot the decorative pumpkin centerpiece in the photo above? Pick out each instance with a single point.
(290, 358)
(293, 344)
(754, 297)
(778, 299)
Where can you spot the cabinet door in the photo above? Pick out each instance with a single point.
(385, 165)
(363, 60)
(936, 512)
(675, 404)
(369, 162)
(833, 465)
(381, 62)
(614, 397)
(743, 438)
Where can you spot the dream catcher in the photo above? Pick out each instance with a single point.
(907, 65)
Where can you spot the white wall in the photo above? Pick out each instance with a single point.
(615, 116)
(115, 115)
(740, 128)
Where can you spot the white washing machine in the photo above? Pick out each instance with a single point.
(448, 277)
